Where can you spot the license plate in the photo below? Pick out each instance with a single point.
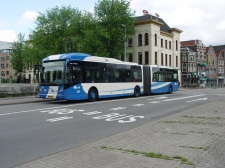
(51, 97)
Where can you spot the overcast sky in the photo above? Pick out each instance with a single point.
(198, 19)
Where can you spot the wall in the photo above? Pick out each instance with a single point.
(17, 88)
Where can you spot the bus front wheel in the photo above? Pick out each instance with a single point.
(92, 95)
(136, 91)
(170, 90)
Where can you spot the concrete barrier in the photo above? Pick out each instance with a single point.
(17, 88)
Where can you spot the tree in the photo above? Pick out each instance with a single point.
(17, 59)
(111, 14)
(57, 31)
(67, 29)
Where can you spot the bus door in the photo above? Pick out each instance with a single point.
(147, 79)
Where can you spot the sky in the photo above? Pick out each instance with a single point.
(198, 19)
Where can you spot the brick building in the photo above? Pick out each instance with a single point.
(200, 50)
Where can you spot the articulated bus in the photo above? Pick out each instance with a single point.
(80, 76)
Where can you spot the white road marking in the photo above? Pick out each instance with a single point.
(155, 102)
(198, 99)
(120, 118)
(138, 105)
(184, 97)
(59, 119)
(158, 98)
(92, 113)
(83, 104)
(220, 94)
(61, 111)
(118, 108)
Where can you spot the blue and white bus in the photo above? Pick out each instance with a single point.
(79, 76)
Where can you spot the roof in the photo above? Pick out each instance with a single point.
(191, 43)
(5, 45)
(164, 27)
(219, 48)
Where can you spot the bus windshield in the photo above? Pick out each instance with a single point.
(52, 73)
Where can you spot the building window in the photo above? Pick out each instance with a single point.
(130, 57)
(165, 43)
(146, 57)
(7, 72)
(146, 38)
(166, 59)
(155, 39)
(2, 59)
(176, 61)
(130, 42)
(139, 58)
(3, 73)
(176, 45)
(184, 67)
(170, 45)
(161, 42)
(184, 58)
(169, 60)
(2, 66)
(161, 58)
(155, 58)
(139, 40)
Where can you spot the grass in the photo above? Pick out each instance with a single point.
(208, 118)
(192, 147)
(152, 155)
(193, 122)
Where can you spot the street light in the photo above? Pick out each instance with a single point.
(125, 39)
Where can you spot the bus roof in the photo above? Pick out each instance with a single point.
(74, 56)
(85, 57)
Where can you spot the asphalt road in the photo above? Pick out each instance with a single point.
(35, 130)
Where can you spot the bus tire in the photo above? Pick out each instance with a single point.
(137, 91)
(170, 89)
(92, 95)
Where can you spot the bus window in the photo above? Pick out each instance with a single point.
(158, 75)
(105, 75)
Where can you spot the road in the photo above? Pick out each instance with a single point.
(35, 130)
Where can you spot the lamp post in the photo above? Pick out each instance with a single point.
(125, 39)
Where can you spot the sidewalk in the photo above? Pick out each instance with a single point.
(21, 100)
(192, 139)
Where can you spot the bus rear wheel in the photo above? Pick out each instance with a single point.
(92, 95)
(136, 91)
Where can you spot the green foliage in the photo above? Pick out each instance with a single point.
(17, 59)
(57, 31)
(152, 155)
(66, 29)
(111, 14)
